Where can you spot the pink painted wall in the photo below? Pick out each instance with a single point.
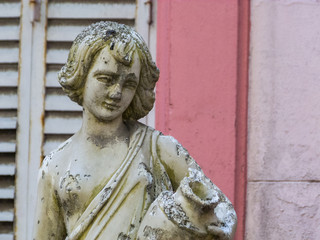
(196, 94)
(202, 53)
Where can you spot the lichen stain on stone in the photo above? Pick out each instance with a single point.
(123, 236)
(112, 46)
(70, 182)
(106, 193)
(174, 211)
(181, 150)
(152, 233)
(188, 159)
(96, 190)
(132, 227)
(154, 210)
(70, 205)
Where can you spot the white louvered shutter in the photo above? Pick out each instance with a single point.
(47, 116)
(9, 57)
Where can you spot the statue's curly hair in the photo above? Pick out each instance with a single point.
(123, 42)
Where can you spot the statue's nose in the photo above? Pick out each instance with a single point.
(115, 92)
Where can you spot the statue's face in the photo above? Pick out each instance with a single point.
(110, 86)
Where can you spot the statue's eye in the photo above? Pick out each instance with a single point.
(108, 80)
(130, 84)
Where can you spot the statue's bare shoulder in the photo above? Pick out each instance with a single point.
(57, 157)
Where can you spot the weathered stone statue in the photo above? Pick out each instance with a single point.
(117, 178)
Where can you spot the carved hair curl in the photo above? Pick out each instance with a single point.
(123, 42)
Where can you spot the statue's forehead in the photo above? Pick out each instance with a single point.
(105, 54)
(106, 59)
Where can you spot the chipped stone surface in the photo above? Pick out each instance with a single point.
(287, 210)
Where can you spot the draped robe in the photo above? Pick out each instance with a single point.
(120, 205)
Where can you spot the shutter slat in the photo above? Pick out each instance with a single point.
(52, 142)
(64, 32)
(62, 123)
(10, 9)
(8, 78)
(7, 169)
(7, 147)
(52, 79)
(6, 236)
(57, 56)
(9, 32)
(9, 55)
(58, 101)
(7, 193)
(7, 165)
(67, 30)
(7, 141)
(6, 216)
(87, 10)
(8, 122)
(8, 100)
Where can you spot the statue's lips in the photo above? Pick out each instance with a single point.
(111, 106)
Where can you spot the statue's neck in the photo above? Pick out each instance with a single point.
(93, 128)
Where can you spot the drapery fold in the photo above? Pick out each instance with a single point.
(103, 196)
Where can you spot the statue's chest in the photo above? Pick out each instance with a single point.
(81, 176)
(82, 180)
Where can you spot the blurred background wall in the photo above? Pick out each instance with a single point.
(284, 121)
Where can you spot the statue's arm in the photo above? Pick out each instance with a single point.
(214, 211)
(49, 223)
(175, 158)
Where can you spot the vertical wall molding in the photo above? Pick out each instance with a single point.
(242, 115)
